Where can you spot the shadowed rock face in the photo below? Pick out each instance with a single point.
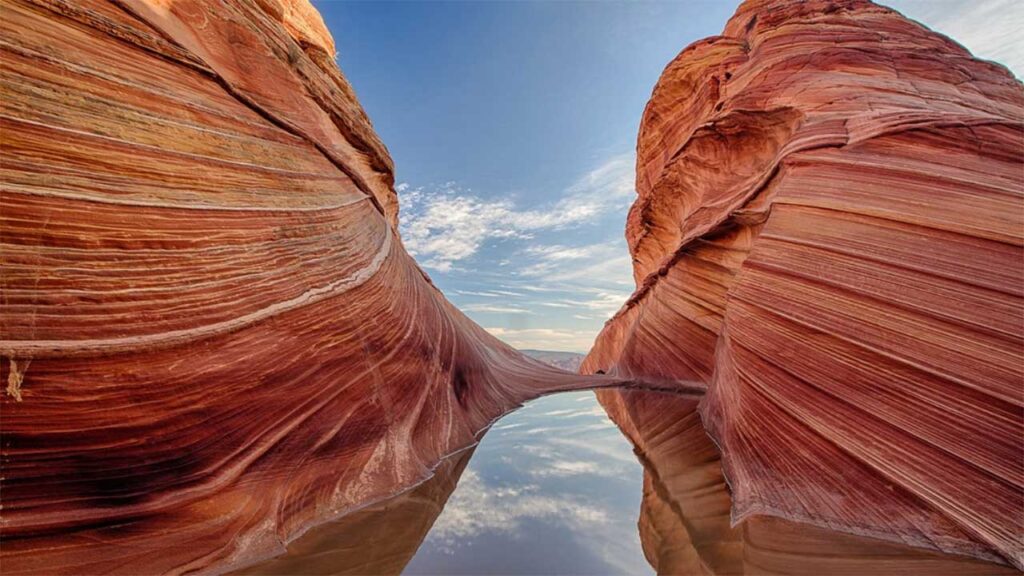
(828, 235)
(212, 336)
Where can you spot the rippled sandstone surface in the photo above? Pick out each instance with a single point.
(213, 339)
(379, 539)
(828, 236)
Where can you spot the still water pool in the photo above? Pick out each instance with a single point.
(553, 488)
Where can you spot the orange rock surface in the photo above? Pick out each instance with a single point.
(685, 523)
(212, 338)
(828, 234)
(379, 539)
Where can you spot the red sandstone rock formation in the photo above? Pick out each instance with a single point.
(685, 523)
(212, 336)
(828, 234)
(379, 539)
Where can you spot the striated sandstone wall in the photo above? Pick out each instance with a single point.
(828, 234)
(212, 338)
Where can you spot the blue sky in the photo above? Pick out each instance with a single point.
(513, 127)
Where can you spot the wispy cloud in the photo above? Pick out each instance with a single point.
(990, 29)
(600, 301)
(598, 277)
(476, 508)
(544, 275)
(488, 293)
(546, 338)
(447, 224)
(557, 253)
(495, 309)
(566, 468)
(608, 261)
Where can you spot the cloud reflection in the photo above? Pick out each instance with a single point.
(476, 507)
(556, 476)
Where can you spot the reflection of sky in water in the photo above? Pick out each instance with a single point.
(553, 488)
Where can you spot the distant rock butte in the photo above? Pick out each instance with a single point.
(565, 360)
(828, 235)
(212, 336)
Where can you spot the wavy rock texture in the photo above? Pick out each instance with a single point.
(685, 521)
(212, 336)
(380, 539)
(828, 235)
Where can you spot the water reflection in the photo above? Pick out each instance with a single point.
(554, 488)
(379, 539)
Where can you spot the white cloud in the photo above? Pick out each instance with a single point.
(598, 276)
(530, 288)
(495, 309)
(556, 305)
(567, 468)
(504, 293)
(560, 412)
(602, 303)
(474, 293)
(546, 338)
(606, 186)
(489, 293)
(607, 261)
(606, 450)
(445, 226)
(595, 412)
(557, 253)
(538, 287)
(449, 224)
(990, 29)
(476, 508)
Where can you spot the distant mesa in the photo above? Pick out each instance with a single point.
(568, 361)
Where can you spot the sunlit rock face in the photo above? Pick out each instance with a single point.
(212, 336)
(828, 235)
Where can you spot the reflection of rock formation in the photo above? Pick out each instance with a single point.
(684, 519)
(212, 336)
(828, 233)
(379, 539)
